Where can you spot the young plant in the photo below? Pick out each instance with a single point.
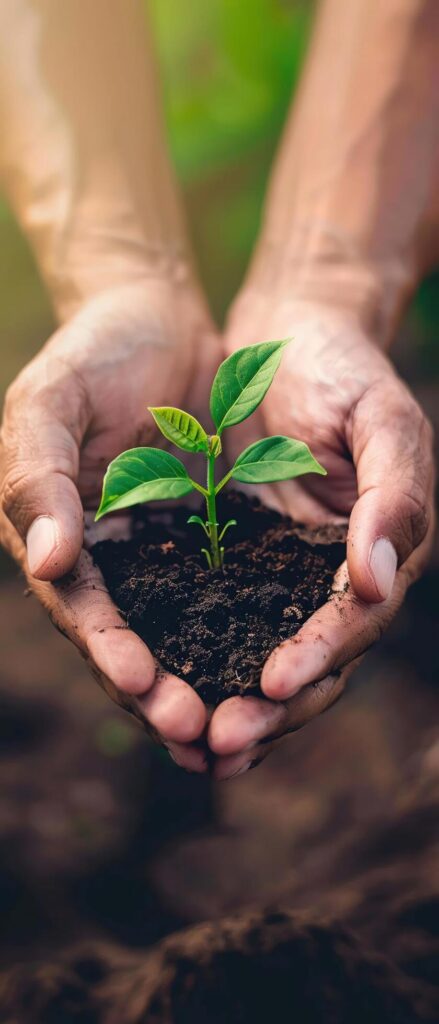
(150, 474)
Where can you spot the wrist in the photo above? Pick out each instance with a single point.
(320, 266)
(100, 261)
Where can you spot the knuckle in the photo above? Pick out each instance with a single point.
(414, 514)
(20, 486)
(81, 586)
(13, 493)
(416, 424)
(19, 390)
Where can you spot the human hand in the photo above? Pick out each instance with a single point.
(76, 406)
(338, 392)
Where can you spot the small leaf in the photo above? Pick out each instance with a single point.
(242, 381)
(181, 428)
(230, 522)
(275, 458)
(142, 474)
(215, 446)
(199, 522)
(208, 556)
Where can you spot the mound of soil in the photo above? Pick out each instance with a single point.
(215, 629)
(263, 966)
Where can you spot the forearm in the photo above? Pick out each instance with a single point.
(82, 153)
(351, 217)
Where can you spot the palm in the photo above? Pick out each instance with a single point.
(78, 404)
(154, 358)
(314, 413)
(311, 399)
(338, 392)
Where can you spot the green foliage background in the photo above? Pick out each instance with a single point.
(228, 73)
(229, 69)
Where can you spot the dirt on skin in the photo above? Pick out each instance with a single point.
(215, 629)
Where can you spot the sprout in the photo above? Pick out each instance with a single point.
(150, 474)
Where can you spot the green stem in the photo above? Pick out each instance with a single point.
(198, 487)
(222, 482)
(211, 513)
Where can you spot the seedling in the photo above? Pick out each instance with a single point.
(151, 474)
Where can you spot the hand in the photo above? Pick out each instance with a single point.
(76, 406)
(339, 393)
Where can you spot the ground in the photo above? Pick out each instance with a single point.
(105, 841)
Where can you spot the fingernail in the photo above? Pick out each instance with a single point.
(383, 561)
(241, 771)
(191, 759)
(41, 542)
(172, 756)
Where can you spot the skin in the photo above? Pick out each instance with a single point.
(65, 418)
(85, 166)
(368, 424)
(333, 268)
(350, 227)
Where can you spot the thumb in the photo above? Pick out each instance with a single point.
(392, 452)
(38, 494)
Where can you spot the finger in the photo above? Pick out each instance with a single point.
(335, 635)
(39, 467)
(316, 698)
(392, 451)
(239, 722)
(239, 764)
(170, 705)
(174, 709)
(85, 611)
(294, 714)
(191, 757)
(81, 607)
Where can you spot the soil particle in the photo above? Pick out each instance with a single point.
(215, 629)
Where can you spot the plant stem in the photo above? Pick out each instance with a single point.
(211, 513)
(222, 482)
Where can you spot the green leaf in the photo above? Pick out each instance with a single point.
(181, 428)
(197, 520)
(242, 381)
(230, 522)
(215, 446)
(142, 474)
(208, 557)
(275, 458)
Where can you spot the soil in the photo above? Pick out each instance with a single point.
(259, 966)
(215, 629)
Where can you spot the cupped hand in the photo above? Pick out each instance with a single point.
(76, 406)
(339, 393)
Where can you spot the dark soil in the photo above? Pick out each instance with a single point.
(258, 967)
(216, 629)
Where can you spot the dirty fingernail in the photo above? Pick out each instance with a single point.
(383, 561)
(241, 771)
(41, 542)
(191, 759)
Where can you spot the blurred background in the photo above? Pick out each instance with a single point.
(102, 837)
